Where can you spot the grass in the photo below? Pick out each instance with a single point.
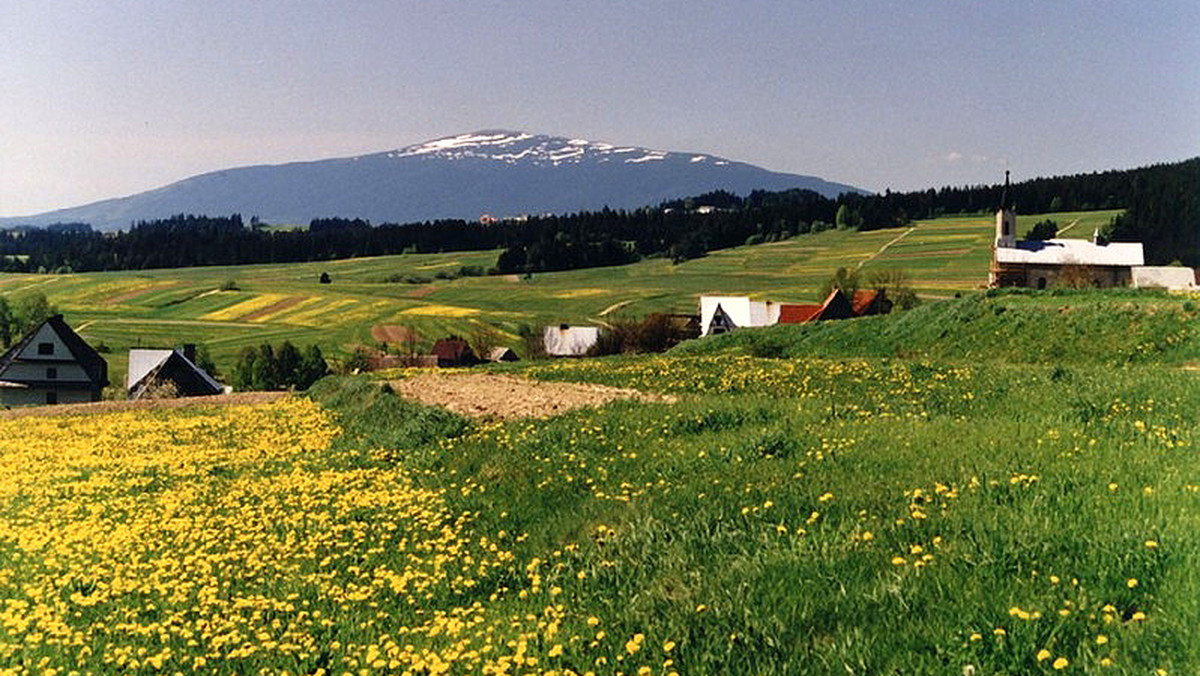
(162, 308)
(875, 516)
(930, 514)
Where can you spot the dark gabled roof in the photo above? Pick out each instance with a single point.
(191, 380)
(836, 306)
(90, 360)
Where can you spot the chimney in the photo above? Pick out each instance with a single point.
(189, 352)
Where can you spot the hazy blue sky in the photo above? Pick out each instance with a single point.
(105, 98)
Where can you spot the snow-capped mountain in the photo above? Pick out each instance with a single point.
(503, 173)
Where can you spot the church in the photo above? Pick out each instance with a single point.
(1076, 263)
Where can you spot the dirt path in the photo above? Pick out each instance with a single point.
(614, 307)
(237, 399)
(883, 248)
(481, 395)
(1069, 226)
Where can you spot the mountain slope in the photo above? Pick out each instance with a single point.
(499, 172)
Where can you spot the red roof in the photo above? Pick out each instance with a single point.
(798, 314)
(863, 299)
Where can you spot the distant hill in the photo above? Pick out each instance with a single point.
(503, 173)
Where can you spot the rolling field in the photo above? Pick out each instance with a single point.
(159, 308)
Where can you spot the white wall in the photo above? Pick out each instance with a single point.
(1171, 277)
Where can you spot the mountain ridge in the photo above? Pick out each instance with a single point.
(496, 171)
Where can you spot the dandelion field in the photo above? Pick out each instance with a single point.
(783, 516)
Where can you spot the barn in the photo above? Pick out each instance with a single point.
(565, 340)
(51, 365)
(454, 351)
(167, 374)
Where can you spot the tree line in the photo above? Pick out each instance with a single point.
(1161, 203)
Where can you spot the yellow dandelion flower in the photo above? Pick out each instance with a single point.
(1043, 655)
(1061, 663)
(1101, 639)
(1131, 582)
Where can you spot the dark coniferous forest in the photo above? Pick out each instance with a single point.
(1162, 204)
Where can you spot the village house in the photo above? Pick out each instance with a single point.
(1038, 264)
(502, 354)
(167, 374)
(721, 314)
(569, 341)
(454, 351)
(51, 365)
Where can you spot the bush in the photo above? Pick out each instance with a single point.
(1042, 231)
(229, 285)
(266, 368)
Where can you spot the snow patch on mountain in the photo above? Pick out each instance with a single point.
(512, 147)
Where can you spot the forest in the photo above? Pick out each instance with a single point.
(1161, 203)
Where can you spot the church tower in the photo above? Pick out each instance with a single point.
(1006, 220)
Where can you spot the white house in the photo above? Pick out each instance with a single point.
(569, 341)
(51, 365)
(719, 314)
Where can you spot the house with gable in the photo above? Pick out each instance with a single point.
(51, 365)
(166, 374)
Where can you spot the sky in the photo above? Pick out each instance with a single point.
(106, 99)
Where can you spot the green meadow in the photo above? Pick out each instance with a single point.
(157, 308)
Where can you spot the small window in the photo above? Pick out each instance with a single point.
(52, 373)
(52, 397)
(1041, 283)
(45, 348)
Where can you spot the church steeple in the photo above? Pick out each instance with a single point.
(1006, 220)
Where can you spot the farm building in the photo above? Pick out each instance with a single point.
(167, 374)
(569, 341)
(1077, 262)
(499, 354)
(454, 351)
(835, 306)
(1170, 277)
(720, 314)
(51, 365)
(871, 302)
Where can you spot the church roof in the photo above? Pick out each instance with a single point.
(1072, 252)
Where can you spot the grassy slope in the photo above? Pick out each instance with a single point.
(1115, 326)
(165, 307)
(871, 516)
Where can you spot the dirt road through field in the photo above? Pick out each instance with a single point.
(479, 395)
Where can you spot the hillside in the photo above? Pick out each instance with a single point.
(505, 173)
(1056, 327)
(275, 302)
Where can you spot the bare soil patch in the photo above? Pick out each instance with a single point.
(481, 395)
(130, 295)
(390, 333)
(236, 399)
(421, 291)
(272, 308)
